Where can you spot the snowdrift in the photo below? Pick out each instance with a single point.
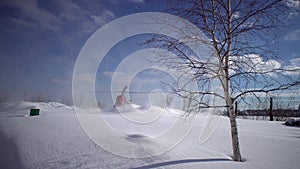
(55, 139)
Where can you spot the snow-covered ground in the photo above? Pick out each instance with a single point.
(55, 139)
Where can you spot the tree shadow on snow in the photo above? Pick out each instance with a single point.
(168, 163)
(9, 155)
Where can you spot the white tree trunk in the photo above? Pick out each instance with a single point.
(229, 102)
(234, 134)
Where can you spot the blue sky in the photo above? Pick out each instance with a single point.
(40, 42)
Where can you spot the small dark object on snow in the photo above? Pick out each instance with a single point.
(34, 112)
(292, 122)
(297, 123)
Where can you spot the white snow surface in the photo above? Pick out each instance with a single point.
(55, 139)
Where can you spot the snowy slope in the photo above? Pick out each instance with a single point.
(55, 139)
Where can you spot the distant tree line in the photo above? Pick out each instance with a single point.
(277, 113)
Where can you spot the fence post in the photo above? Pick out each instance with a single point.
(271, 109)
(235, 109)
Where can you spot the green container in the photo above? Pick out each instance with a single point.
(34, 112)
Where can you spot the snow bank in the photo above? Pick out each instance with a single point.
(29, 105)
(292, 122)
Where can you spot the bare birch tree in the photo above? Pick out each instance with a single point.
(243, 36)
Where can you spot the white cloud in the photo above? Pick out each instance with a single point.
(32, 14)
(102, 19)
(61, 80)
(70, 11)
(111, 74)
(22, 23)
(293, 3)
(253, 63)
(270, 64)
(236, 15)
(137, 1)
(295, 62)
(294, 65)
(84, 78)
(87, 21)
(148, 79)
(293, 35)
